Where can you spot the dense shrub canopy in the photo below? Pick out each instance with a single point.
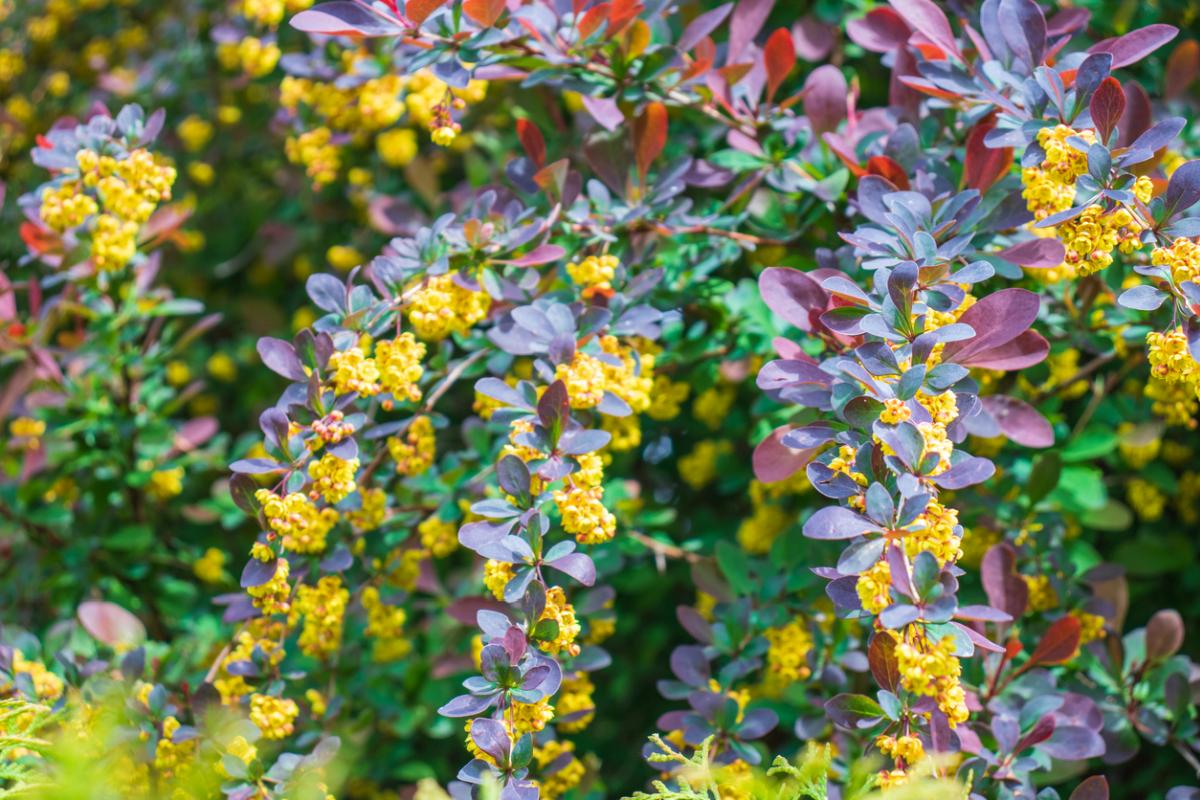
(598, 398)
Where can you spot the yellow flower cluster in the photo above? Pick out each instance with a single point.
(1175, 403)
(46, 684)
(353, 371)
(563, 613)
(699, 467)
(261, 634)
(385, 624)
(368, 106)
(1137, 444)
(273, 597)
(1182, 257)
(333, 478)
(438, 536)
(594, 272)
(315, 151)
(584, 377)
(442, 307)
(1091, 626)
(1050, 187)
(399, 364)
(906, 750)
(667, 398)
(633, 380)
(581, 503)
(397, 147)
(274, 716)
(1091, 238)
(371, 514)
(126, 193)
(894, 411)
(564, 778)
(1170, 361)
(1042, 594)
(254, 56)
(934, 532)
(933, 670)
(169, 756)
(1146, 499)
(302, 526)
(758, 532)
(324, 609)
(575, 697)
(712, 406)
(875, 587)
(165, 483)
(787, 656)
(496, 575)
(414, 450)
(210, 567)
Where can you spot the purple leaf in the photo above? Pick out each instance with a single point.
(256, 466)
(965, 472)
(982, 614)
(997, 319)
(774, 461)
(690, 665)
(466, 705)
(343, 18)
(882, 30)
(1024, 29)
(1142, 298)
(757, 723)
(499, 390)
(925, 17)
(748, 19)
(1005, 589)
(1184, 188)
(605, 111)
(280, 357)
(978, 639)
(489, 735)
(1019, 421)
(1094, 788)
(1035, 253)
(578, 565)
(825, 95)
(835, 522)
(1135, 45)
(702, 26)
(1074, 743)
(256, 572)
(1145, 146)
(326, 292)
(793, 295)
(542, 254)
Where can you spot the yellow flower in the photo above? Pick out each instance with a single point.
(699, 467)
(195, 132)
(594, 272)
(210, 567)
(343, 257)
(165, 483)
(565, 777)
(874, 587)
(324, 609)
(894, 411)
(584, 378)
(354, 372)
(274, 716)
(397, 147)
(442, 307)
(496, 575)
(399, 365)
(438, 536)
(333, 478)
(414, 450)
(294, 517)
(584, 515)
(385, 624)
(1146, 499)
(787, 656)
(575, 701)
(712, 405)
(667, 398)
(563, 614)
(759, 531)
(1042, 595)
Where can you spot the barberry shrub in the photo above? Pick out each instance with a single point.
(689, 412)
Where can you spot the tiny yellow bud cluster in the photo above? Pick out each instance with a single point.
(414, 450)
(442, 307)
(274, 716)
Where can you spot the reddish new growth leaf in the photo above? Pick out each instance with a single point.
(419, 10)
(484, 12)
(779, 55)
(985, 165)
(649, 136)
(886, 167)
(1058, 644)
(533, 142)
(1108, 104)
(1182, 68)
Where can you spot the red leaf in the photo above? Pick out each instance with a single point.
(886, 167)
(591, 21)
(649, 136)
(1135, 45)
(1164, 634)
(1019, 421)
(702, 59)
(881, 656)
(1045, 253)
(1182, 68)
(774, 461)
(419, 10)
(533, 142)
(984, 165)
(1094, 788)
(484, 12)
(779, 54)
(1058, 644)
(621, 13)
(1108, 103)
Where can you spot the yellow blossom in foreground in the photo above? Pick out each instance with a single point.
(874, 587)
(496, 575)
(442, 307)
(274, 716)
(584, 515)
(399, 365)
(584, 377)
(302, 526)
(332, 477)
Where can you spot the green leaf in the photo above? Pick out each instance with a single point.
(735, 564)
(1043, 477)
